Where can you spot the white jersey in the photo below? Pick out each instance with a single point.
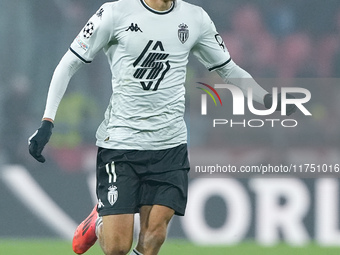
(148, 52)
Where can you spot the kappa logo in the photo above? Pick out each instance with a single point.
(134, 28)
(100, 13)
(100, 204)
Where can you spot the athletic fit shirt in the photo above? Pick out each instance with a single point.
(148, 52)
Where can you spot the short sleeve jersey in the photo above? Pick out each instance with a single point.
(148, 52)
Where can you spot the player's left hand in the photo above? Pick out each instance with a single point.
(268, 102)
(39, 139)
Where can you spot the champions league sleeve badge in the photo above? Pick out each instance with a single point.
(88, 30)
(183, 33)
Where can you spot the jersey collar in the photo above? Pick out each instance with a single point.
(155, 11)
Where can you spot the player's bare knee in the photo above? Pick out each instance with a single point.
(112, 248)
(115, 250)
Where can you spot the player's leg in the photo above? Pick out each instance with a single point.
(163, 193)
(154, 222)
(118, 198)
(115, 234)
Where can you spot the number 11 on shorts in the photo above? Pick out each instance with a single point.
(111, 171)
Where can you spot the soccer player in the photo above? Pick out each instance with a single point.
(142, 162)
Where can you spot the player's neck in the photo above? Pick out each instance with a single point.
(159, 5)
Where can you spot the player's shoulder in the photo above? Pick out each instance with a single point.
(121, 4)
(116, 9)
(116, 4)
(190, 7)
(110, 5)
(194, 11)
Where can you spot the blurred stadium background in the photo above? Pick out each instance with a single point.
(280, 39)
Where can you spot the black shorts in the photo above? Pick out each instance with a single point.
(129, 179)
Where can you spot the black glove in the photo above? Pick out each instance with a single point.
(268, 102)
(39, 139)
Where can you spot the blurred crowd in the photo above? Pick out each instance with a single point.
(268, 38)
(281, 38)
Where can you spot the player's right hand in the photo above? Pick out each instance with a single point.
(39, 139)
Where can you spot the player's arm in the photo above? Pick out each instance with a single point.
(212, 52)
(233, 74)
(91, 39)
(66, 68)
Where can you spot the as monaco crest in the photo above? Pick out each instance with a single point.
(112, 195)
(183, 33)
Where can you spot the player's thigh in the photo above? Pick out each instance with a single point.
(117, 184)
(166, 182)
(169, 189)
(117, 231)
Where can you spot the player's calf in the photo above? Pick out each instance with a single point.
(150, 242)
(154, 223)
